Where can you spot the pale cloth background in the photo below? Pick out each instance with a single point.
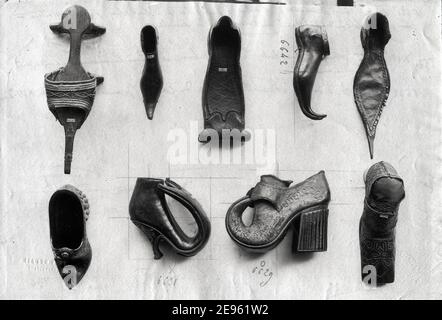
(117, 144)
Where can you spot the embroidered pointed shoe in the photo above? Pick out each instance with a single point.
(151, 82)
(277, 206)
(150, 212)
(68, 213)
(371, 85)
(313, 47)
(71, 90)
(223, 94)
(384, 191)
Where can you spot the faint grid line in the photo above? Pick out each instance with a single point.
(189, 177)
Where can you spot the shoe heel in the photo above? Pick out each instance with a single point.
(154, 238)
(311, 235)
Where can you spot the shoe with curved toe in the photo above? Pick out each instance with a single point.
(277, 206)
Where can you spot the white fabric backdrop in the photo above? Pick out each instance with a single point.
(117, 144)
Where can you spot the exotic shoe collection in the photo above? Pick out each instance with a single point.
(277, 204)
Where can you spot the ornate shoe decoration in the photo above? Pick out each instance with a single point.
(151, 82)
(384, 191)
(70, 90)
(278, 205)
(149, 211)
(223, 94)
(372, 81)
(68, 213)
(313, 46)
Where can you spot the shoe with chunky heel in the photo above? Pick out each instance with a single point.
(277, 206)
(150, 212)
(70, 90)
(313, 47)
(310, 230)
(68, 213)
(384, 191)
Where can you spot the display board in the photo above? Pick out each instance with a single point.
(118, 143)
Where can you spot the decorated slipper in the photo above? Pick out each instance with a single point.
(372, 81)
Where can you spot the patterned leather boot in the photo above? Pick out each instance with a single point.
(384, 191)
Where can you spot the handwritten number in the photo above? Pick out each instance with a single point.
(284, 53)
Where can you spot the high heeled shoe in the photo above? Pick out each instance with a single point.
(384, 191)
(371, 85)
(277, 206)
(150, 212)
(151, 82)
(68, 213)
(223, 93)
(313, 47)
(71, 90)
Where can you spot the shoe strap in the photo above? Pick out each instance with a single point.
(266, 192)
(385, 219)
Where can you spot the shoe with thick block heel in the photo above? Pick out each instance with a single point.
(277, 206)
(384, 191)
(150, 212)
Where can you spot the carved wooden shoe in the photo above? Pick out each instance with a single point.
(70, 90)
(68, 213)
(223, 94)
(277, 206)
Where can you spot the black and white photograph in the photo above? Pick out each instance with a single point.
(220, 150)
